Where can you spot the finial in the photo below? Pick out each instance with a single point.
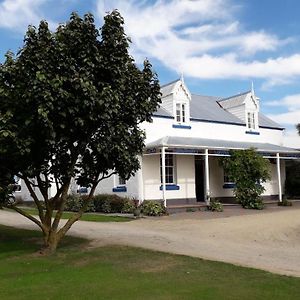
(252, 88)
(181, 77)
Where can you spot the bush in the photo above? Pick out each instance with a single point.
(129, 206)
(106, 208)
(108, 203)
(152, 208)
(248, 170)
(99, 200)
(285, 202)
(75, 203)
(215, 205)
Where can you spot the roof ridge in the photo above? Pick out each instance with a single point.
(206, 96)
(241, 94)
(166, 84)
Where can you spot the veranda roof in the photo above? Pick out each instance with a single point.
(213, 144)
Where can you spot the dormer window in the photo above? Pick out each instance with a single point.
(180, 112)
(251, 120)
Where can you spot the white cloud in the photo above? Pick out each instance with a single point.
(287, 118)
(292, 139)
(291, 115)
(18, 14)
(203, 39)
(291, 102)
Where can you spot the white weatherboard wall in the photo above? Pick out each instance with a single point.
(185, 178)
(163, 127)
(133, 186)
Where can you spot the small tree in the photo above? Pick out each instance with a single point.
(71, 103)
(248, 170)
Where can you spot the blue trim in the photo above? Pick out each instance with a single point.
(82, 190)
(170, 187)
(181, 126)
(182, 150)
(275, 128)
(162, 116)
(217, 122)
(228, 185)
(252, 132)
(120, 189)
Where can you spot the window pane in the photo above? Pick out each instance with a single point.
(178, 114)
(169, 168)
(183, 112)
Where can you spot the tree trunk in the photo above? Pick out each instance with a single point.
(51, 240)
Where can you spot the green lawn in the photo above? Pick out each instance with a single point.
(77, 272)
(86, 217)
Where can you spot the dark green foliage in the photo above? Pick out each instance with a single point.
(285, 202)
(113, 204)
(215, 205)
(99, 201)
(152, 208)
(292, 182)
(71, 102)
(129, 206)
(248, 170)
(104, 203)
(75, 203)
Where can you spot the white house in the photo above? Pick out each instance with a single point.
(187, 136)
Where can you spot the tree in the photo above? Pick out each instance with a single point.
(71, 104)
(248, 170)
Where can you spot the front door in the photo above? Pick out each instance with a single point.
(199, 178)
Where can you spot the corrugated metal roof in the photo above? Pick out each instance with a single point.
(187, 142)
(267, 122)
(168, 88)
(233, 101)
(208, 108)
(162, 112)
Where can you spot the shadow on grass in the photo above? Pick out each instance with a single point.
(14, 241)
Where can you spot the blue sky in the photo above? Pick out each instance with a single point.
(219, 45)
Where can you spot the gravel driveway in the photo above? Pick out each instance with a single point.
(268, 239)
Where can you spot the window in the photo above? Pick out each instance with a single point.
(251, 120)
(180, 113)
(122, 181)
(227, 178)
(170, 169)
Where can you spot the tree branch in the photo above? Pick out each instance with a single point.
(27, 215)
(65, 189)
(35, 198)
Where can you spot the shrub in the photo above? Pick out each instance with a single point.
(129, 206)
(108, 203)
(285, 202)
(191, 209)
(215, 205)
(106, 208)
(75, 202)
(248, 170)
(152, 208)
(116, 203)
(99, 201)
